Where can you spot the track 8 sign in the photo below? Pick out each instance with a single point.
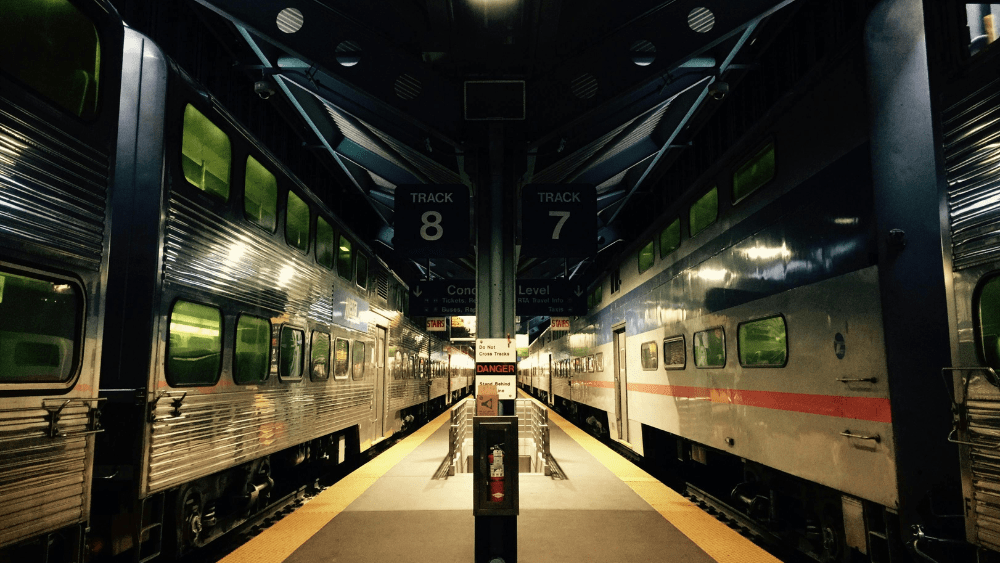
(432, 220)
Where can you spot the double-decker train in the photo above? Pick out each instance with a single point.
(187, 329)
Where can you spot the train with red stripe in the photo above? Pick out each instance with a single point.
(806, 339)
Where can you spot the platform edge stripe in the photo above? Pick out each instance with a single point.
(716, 539)
(278, 542)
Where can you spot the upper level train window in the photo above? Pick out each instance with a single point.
(710, 348)
(358, 369)
(260, 195)
(983, 21)
(206, 154)
(320, 356)
(362, 271)
(345, 258)
(40, 324)
(647, 257)
(53, 48)
(194, 345)
(763, 343)
(670, 238)
(291, 353)
(616, 280)
(253, 350)
(324, 243)
(756, 172)
(297, 222)
(705, 211)
(674, 353)
(647, 355)
(340, 359)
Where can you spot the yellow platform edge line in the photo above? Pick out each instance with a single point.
(718, 541)
(278, 542)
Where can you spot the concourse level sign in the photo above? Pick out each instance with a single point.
(443, 298)
(559, 220)
(432, 220)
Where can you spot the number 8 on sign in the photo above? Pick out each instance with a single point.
(431, 220)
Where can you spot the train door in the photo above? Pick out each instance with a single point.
(381, 382)
(621, 385)
(552, 389)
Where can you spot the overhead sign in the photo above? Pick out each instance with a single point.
(506, 385)
(436, 324)
(496, 350)
(431, 220)
(559, 220)
(550, 298)
(443, 297)
(560, 323)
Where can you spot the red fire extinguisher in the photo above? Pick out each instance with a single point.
(496, 474)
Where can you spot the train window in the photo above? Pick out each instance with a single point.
(324, 243)
(206, 154)
(670, 238)
(397, 365)
(194, 345)
(647, 257)
(983, 21)
(253, 350)
(704, 212)
(674, 353)
(763, 343)
(362, 271)
(423, 368)
(358, 370)
(710, 348)
(297, 222)
(340, 355)
(291, 353)
(599, 360)
(616, 280)
(647, 355)
(40, 334)
(320, 356)
(590, 364)
(757, 171)
(345, 258)
(260, 195)
(53, 48)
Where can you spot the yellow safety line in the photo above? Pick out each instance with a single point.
(282, 539)
(719, 541)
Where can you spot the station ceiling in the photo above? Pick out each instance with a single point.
(613, 92)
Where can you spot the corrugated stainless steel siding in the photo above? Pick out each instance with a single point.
(972, 167)
(53, 187)
(984, 432)
(42, 479)
(213, 431)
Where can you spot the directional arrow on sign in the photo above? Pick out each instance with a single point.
(578, 291)
(417, 292)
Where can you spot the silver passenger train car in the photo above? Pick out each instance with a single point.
(775, 341)
(58, 126)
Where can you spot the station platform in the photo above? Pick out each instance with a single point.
(606, 510)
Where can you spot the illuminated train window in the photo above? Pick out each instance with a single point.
(253, 350)
(397, 365)
(647, 355)
(40, 332)
(704, 212)
(345, 259)
(710, 348)
(670, 238)
(674, 353)
(340, 358)
(291, 353)
(358, 369)
(320, 356)
(53, 48)
(763, 343)
(297, 222)
(260, 195)
(647, 257)
(206, 154)
(600, 361)
(324, 243)
(194, 344)
(757, 171)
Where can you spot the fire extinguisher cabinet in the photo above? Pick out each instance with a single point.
(494, 449)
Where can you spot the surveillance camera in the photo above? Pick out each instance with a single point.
(264, 88)
(718, 90)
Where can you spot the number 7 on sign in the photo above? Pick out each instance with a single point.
(563, 215)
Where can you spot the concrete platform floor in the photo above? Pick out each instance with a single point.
(404, 515)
